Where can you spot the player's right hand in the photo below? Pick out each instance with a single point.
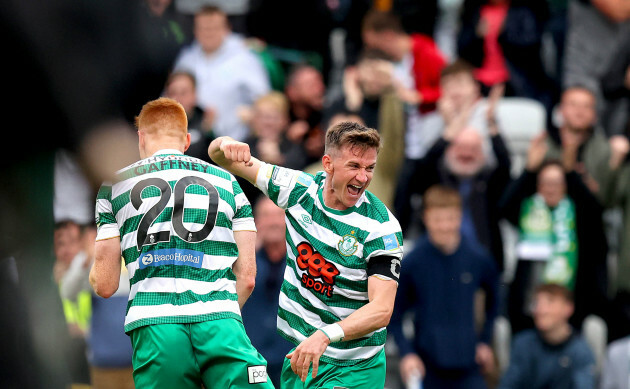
(236, 151)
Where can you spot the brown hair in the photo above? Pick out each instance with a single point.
(380, 21)
(556, 290)
(182, 73)
(440, 196)
(457, 67)
(163, 116)
(351, 134)
(210, 10)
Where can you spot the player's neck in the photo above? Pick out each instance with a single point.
(148, 151)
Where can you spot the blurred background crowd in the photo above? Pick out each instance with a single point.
(505, 128)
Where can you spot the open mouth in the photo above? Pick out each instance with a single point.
(354, 190)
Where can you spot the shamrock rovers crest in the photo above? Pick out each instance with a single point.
(347, 245)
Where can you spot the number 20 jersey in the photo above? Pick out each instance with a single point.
(328, 251)
(175, 216)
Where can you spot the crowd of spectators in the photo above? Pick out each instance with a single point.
(431, 77)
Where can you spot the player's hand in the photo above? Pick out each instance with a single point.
(309, 351)
(236, 151)
(409, 364)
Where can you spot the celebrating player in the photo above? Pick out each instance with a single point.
(343, 259)
(186, 232)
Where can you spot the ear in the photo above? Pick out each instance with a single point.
(327, 164)
(187, 145)
(141, 139)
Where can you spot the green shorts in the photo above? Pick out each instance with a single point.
(366, 374)
(216, 353)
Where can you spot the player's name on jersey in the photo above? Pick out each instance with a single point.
(164, 162)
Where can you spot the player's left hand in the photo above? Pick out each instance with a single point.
(309, 351)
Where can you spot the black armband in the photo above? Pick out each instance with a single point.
(384, 265)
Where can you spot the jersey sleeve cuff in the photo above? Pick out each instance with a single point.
(107, 231)
(244, 224)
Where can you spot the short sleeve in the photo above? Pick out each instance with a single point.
(106, 224)
(282, 185)
(243, 217)
(387, 240)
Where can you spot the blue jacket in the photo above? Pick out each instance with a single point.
(535, 364)
(440, 289)
(261, 311)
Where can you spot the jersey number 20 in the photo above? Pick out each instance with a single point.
(179, 191)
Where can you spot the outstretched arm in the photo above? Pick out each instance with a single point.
(235, 157)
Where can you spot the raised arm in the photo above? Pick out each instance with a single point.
(234, 157)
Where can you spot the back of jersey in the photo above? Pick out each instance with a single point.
(175, 216)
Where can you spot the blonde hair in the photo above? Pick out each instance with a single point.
(351, 134)
(276, 99)
(164, 117)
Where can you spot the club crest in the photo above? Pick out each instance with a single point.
(347, 245)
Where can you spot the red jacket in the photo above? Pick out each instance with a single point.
(428, 62)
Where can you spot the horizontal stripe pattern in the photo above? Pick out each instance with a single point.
(176, 292)
(346, 239)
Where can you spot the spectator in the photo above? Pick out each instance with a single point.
(369, 92)
(502, 39)
(439, 280)
(619, 325)
(591, 22)
(229, 75)
(305, 90)
(260, 314)
(268, 140)
(617, 365)
(578, 113)
(70, 253)
(615, 84)
(417, 54)
(459, 93)
(553, 355)
(302, 37)
(457, 160)
(561, 236)
(182, 87)
(556, 30)
(108, 347)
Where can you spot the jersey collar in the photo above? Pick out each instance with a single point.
(167, 151)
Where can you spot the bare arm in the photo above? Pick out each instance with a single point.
(375, 314)
(245, 266)
(371, 317)
(105, 273)
(234, 157)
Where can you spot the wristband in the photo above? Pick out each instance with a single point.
(334, 332)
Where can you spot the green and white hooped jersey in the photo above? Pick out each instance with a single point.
(327, 257)
(175, 216)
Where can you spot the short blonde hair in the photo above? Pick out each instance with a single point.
(351, 134)
(163, 116)
(277, 100)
